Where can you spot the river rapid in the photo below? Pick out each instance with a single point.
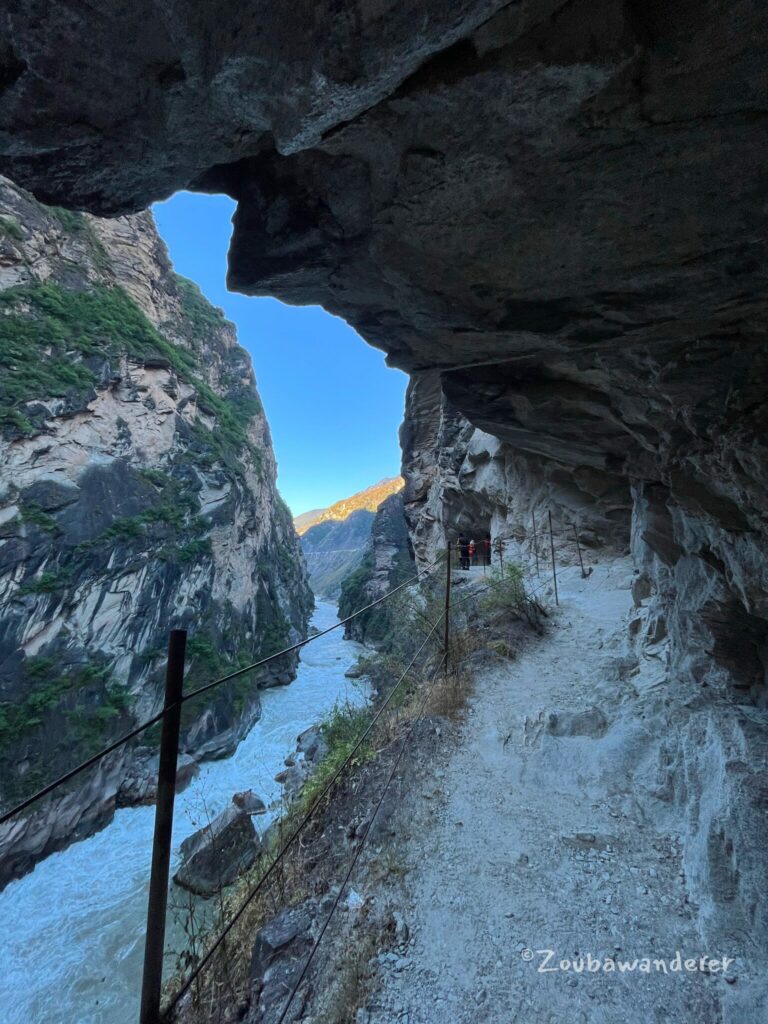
(72, 931)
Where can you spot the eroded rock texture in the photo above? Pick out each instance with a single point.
(559, 206)
(137, 494)
(386, 564)
(461, 478)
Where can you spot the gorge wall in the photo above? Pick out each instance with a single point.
(386, 563)
(334, 549)
(138, 494)
(461, 478)
(557, 207)
(335, 539)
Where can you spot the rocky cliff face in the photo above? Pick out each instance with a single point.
(558, 206)
(387, 562)
(368, 499)
(460, 478)
(335, 539)
(334, 549)
(697, 763)
(138, 494)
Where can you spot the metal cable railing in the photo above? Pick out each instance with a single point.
(170, 716)
(127, 737)
(361, 844)
(302, 824)
(473, 594)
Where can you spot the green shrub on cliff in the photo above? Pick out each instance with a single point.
(46, 583)
(73, 222)
(341, 731)
(47, 333)
(33, 515)
(203, 317)
(10, 226)
(83, 693)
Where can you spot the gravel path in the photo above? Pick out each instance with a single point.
(528, 837)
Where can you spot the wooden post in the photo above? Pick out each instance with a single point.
(535, 541)
(578, 548)
(552, 546)
(154, 948)
(446, 629)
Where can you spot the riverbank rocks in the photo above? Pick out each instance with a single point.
(249, 802)
(218, 854)
(140, 785)
(311, 748)
(312, 744)
(293, 778)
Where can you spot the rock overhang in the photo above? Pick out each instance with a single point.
(560, 206)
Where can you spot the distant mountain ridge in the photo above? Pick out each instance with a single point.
(335, 539)
(368, 499)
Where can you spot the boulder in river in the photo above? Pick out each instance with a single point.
(249, 802)
(218, 854)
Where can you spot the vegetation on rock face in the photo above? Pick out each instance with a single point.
(373, 625)
(341, 731)
(10, 226)
(32, 514)
(82, 694)
(203, 317)
(55, 341)
(72, 221)
(127, 535)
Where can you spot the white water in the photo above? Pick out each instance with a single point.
(71, 933)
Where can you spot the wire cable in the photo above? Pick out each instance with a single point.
(62, 779)
(309, 639)
(361, 844)
(294, 835)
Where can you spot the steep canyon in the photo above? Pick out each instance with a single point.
(138, 494)
(552, 214)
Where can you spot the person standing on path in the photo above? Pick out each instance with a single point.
(463, 551)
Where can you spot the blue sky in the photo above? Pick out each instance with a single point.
(333, 406)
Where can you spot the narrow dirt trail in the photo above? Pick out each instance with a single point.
(527, 837)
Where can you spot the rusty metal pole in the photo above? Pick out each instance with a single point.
(578, 548)
(446, 630)
(152, 978)
(552, 546)
(535, 541)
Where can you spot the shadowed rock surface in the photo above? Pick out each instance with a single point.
(219, 853)
(138, 494)
(556, 206)
(387, 563)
